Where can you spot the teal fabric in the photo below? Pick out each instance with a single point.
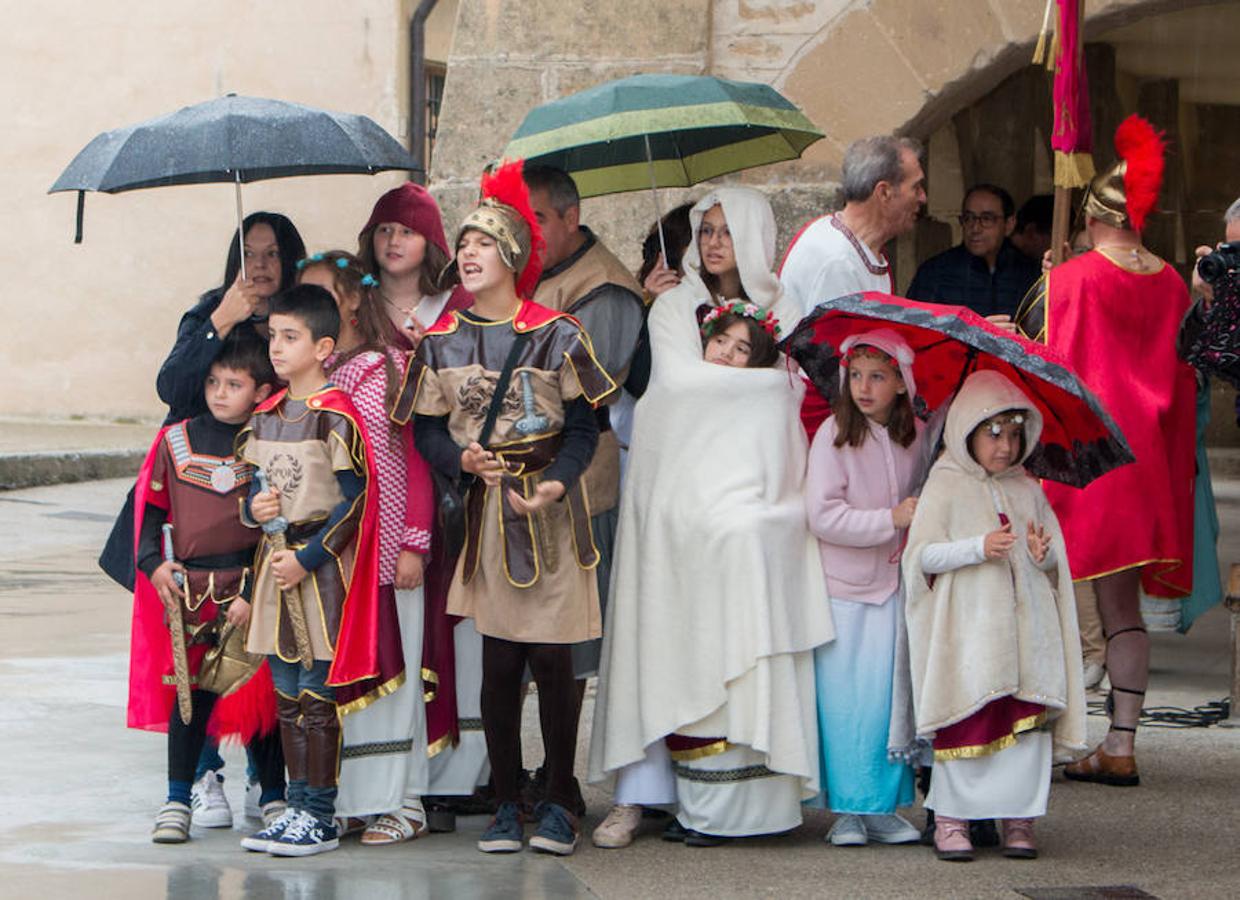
(853, 675)
(1207, 584)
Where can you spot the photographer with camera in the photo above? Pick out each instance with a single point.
(1213, 264)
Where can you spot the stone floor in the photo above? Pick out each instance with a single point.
(78, 790)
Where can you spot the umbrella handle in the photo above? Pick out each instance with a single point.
(654, 192)
(81, 210)
(240, 219)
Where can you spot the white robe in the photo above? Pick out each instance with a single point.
(718, 595)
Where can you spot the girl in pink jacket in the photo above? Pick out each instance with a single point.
(859, 498)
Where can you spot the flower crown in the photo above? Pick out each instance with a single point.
(341, 261)
(995, 423)
(764, 317)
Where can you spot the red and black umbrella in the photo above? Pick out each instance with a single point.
(1080, 441)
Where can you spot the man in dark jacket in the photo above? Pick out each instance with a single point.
(985, 272)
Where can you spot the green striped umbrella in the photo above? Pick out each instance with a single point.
(662, 130)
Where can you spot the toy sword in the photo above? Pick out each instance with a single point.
(176, 626)
(530, 423)
(274, 530)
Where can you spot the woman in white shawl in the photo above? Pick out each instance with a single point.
(719, 598)
(993, 641)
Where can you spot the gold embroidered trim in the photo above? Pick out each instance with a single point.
(1029, 723)
(701, 752)
(383, 690)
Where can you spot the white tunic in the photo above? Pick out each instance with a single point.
(826, 261)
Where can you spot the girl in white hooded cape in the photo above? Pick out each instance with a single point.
(718, 597)
(993, 640)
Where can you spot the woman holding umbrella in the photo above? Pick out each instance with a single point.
(272, 248)
(718, 594)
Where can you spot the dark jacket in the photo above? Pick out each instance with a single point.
(957, 276)
(182, 377)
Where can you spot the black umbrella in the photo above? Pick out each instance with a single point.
(231, 139)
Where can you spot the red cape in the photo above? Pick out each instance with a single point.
(357, 644)
(248, 711)
(1118, 330)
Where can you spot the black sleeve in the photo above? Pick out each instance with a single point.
(580, 438)
(639, 369)
(1190, 329)
(180, 379)
(150, 543)
(433, 440)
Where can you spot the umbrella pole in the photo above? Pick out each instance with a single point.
(654, 192)
(240, 220)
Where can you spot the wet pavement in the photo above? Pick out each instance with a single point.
(78, 790)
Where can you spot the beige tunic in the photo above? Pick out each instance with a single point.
(521, 578)
(301, 448)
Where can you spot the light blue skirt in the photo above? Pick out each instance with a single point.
(853, 676)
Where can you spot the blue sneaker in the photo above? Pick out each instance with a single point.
(305, 836)
(260, 841)
(506, 832)
(557, 830)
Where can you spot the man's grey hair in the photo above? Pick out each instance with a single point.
(871, 160)
(1232, 214)
(559, 185)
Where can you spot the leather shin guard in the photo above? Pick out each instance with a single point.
(322, 724)
(292, 737)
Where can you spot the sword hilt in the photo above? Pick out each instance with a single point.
(279, 524)
(170, 554)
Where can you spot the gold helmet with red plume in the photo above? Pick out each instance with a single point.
(504, 213)
(1127, 192)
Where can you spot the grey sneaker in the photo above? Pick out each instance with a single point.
(171, 824)
(506, 832)
(618, 828)
(557, 830)
(848, 831)
(890, 829)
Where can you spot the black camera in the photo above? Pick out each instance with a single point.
(1225, 259)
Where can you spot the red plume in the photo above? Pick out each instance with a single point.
(507, 185)
(1141, 147)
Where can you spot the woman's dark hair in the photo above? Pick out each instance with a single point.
(313, 306)
(762, 350)
(244, 351)
(373, 325)
(850, 424)
(677, 233)
(292, 248)
(434, 261)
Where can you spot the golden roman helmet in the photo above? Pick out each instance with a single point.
(507, 226)
(1105, 200)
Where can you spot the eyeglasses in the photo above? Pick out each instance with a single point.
(986, 219)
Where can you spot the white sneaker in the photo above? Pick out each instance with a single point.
(618, 828)
(253, 793)
(890, 829)
(848, 831)
(211, 809)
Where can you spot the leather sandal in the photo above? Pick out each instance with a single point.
(1102, 768)
(394, 828)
